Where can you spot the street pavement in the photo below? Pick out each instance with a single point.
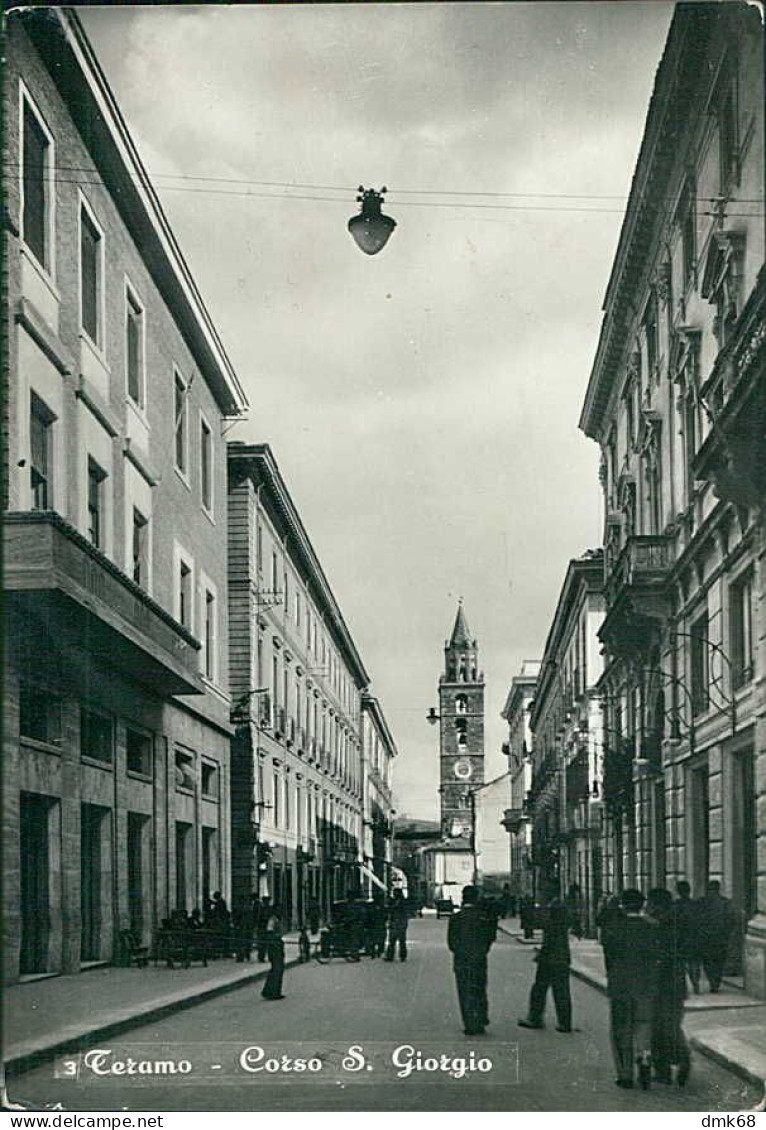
(376, 1006)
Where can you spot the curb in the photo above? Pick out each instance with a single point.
(26, 1060)
(695, 1042)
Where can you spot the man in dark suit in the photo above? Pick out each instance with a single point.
(687, 913)
(669, 1046)
(714, 925)
(470, 935)
(632, 954)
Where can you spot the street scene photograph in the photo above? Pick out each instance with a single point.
(384, 559)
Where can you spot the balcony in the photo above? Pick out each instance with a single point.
(51, 568)
(513, 818)
(733, 456)
(279, 724)
(636, 592)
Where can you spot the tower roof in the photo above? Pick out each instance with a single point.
(461, 634)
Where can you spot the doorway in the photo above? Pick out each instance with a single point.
(34, 883)
(92, 869)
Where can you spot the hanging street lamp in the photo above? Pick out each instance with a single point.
(371, 228)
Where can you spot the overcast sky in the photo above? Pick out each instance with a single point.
(422, 404)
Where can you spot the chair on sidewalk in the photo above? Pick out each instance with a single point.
(135, 953)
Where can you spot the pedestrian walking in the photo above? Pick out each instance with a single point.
(631, 951)
(714, 925)
(527, 916)
(275, 948)
(669, 1046)
(375, 927)
(688, 913)
(470, 935)
(553, 960)
(398, 920)
(261, 921)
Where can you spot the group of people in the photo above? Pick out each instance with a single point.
(650, 948)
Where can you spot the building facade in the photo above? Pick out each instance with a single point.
(677, 402)
(565, 800)
(378, 753)
(493, 854)
(115, 388)
(297, 682)
(518, 750)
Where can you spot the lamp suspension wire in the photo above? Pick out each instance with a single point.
(468, 199)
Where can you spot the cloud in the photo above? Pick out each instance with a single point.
(422, 404)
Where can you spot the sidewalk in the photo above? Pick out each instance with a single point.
(46, 1017)
(728, 1026)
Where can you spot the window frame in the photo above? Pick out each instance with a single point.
(699, 664)
(133, 300)
(180, 382)
(686, 217)
(148, 736)
(181, 557)
(99, 542)
(47, 419)
(209, 657)
(742, 642)
(145, 525)
(206, 429)
(49, 222)
(84, 207)
(89, 758)
(211, 769)
(52, 699)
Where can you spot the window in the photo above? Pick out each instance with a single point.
(461, 704)
(96, 477)
(138, 752)
(184, 770)
(690, 440)
(259, 547)
(741, 624)
(140, 549)
(96, 735)
(688, 224)
(40, 444)
(650, 333)
(39, 714)
(700, 682)
(210, 635)
(37, 153)
(630, 416)
(134, 348)
(275, 796)
(181, 392)
(185, 594)
(91, 249)
(206, 464)
(210, 781)
(274, 573)
(287, 804)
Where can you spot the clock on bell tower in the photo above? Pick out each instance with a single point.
(461, 740)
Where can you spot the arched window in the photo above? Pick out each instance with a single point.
(461, 704)
(462, 740)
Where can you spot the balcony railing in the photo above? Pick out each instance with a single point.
(46, 560)
(644, 560)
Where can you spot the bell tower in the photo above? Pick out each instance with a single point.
(461, 729)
